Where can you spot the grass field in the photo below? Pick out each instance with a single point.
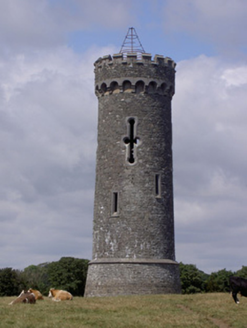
(149, 311)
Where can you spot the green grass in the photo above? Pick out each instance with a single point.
(149, 311)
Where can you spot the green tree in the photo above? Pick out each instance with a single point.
(36, 277)
(218, 281)
(192, 279)
(70, 274)
(242, 272)
(11, 282)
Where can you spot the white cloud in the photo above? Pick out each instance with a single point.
(48, 133)
(48, 144)
(235, 77)
(210, 160)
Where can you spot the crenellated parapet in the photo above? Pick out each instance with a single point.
(133, 58)
(117, 73)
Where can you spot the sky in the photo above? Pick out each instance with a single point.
(48, 123)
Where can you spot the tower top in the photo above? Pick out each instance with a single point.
(132, 43)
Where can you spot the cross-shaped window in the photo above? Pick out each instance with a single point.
(131, 141)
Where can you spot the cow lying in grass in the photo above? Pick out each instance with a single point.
(24, 297)
(37, 293)
(59, 295)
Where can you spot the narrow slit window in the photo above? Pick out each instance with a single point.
(114, 202)
(132, 140)
(157, 185)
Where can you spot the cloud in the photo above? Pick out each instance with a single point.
(210, 160)
(48, 132)
(109, 15)
(30, 23)
(48, 137)
(45, 24)
(221, 23)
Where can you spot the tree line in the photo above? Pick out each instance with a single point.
(70, 274)
(194, 280)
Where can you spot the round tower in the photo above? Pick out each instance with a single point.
(133, 232)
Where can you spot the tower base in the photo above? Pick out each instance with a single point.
(113, 277)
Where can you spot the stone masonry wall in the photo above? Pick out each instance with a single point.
(143, 226)
(133, 207)
(131, 279)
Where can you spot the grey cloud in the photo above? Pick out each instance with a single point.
(48, 145)
(221, 23)
(210, 163)
(41, 24)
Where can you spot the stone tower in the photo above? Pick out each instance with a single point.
(133, 233)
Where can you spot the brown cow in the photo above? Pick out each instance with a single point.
(59, 295)
(24, 297)
(37, 293)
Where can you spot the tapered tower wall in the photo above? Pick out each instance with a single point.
(133, 234)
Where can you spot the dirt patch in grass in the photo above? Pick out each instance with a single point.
(217, 322)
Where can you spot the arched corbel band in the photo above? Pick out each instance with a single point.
(134, 86)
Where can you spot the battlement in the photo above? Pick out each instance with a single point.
(119, 73)
(133, 58)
